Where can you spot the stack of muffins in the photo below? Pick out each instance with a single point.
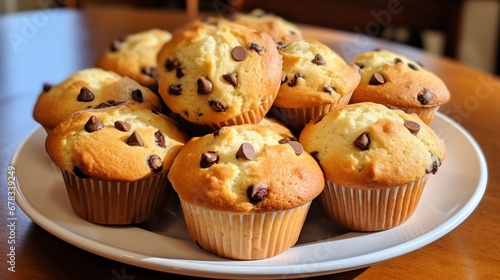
(248, 124)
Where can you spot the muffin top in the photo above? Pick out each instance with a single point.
(119, 141)
(85, 89)
(135, 55)
(392, 79)
(210, 73)
(313, 75)
(245, 168)
(369, 145)
(275, 26)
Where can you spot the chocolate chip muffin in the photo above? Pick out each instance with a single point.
(245, 191)
(134, 56)
(315, 81)
(212, 75)
(115, 161)
(281, 30)
(376, 163)
(392, 79)
(85, 89)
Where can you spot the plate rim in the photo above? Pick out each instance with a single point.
(219, 269)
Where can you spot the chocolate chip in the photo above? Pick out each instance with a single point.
(363, 141)
(328, 89)
(155, 163)
(361, 65)
(257, 48)
(47, 87)
(246, 151)
(171, 64)
(122, 126)
(413, 66)
(318, 60)
(231, 78)
(137, 95)
(295, 79)
(398, 60)
(377, 79)
(135, 140)
(286, 140)
(116, 44)
(239, 53)
(79, 173)
(280, 45)
(85, 95)
(412, 126)
(297, 147)
(149, 71)
(434, 166)
(204, 85)
(217, 106)
(256, 193)
(424, 96)
(93, 124)
(175, 89)
(160, 139)
(208, 159)
(107, 104)
(178, 72)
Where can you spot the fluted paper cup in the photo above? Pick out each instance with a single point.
(244, 236)
(366, 209)
(296, 118)
(116, 202)
(425, 114)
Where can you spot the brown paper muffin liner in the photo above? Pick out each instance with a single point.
(244, 236)
(296, 118)
(116, 202)
(425, 114)
(370, 209)
(250, 117)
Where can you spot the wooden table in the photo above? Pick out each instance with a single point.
(49, 45)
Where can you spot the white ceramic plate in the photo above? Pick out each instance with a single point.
(323, 248)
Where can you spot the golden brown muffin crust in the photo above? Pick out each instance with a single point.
(111, 152)
(393, 157)
(275, 26)
(62, 99)
(313, 75)
(135, 55)
(290, 180)
(212, 73)
(404, 82)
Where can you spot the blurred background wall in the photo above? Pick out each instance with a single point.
(477, 26)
